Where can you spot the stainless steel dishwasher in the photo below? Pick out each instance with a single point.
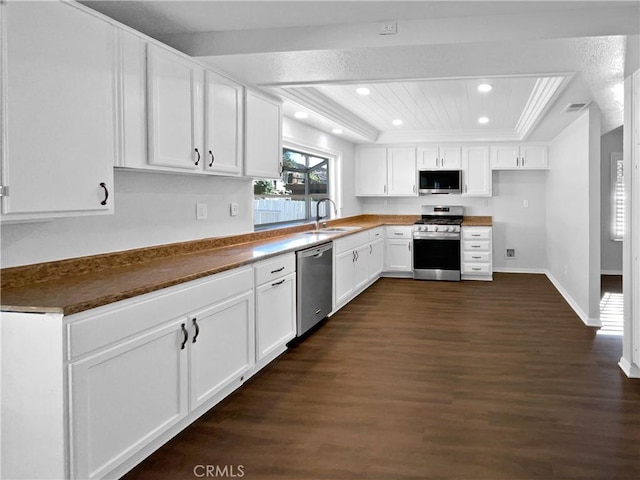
(314, 268)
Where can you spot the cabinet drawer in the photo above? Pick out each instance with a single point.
(376, 233)
(104, 326)
(476, 233)
(477, 257)
(275, 268)
(398, 232)
(473, 246)
(350, 242)
(476, 268)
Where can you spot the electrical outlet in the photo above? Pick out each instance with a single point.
(201, 211)
(511, 253)
(388, 28)
(233, 208)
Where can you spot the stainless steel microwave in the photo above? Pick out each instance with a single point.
(439, 181)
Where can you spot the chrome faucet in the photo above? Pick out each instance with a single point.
(318, 217)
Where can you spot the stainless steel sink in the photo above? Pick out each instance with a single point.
(332, 230)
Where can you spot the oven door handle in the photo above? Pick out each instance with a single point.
(436, 236)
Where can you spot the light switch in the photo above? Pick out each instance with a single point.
(525, 203)
(201, 211)
(234, 209)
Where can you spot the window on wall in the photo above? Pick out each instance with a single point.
(617, 197)
(292, 198)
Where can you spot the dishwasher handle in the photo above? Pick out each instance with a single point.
(315, 252)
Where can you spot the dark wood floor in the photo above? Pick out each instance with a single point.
(429, 380)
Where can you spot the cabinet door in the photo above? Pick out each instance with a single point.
(361, 267)
(450, 158)
(222, 346)
(476, 172)
(174, 110)
(132, 93)
(275, 314)
(428, 158)
(505, 157)
(263, 136)
(371, 171)
(223, 125)
(398, 255)
(533, 157)
(343, 274)
(401, 173)
(124, 397)
(59, 99)
(376, 258)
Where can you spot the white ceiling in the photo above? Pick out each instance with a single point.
(314, 53)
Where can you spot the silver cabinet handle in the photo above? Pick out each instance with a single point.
(476, 258)
(523, 161)
(517, 161)
(370, 249)
(475, 234)
(476, 268)
(384, 188)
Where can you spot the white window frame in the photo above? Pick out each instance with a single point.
(617, 197)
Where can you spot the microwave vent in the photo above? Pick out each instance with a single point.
(575, 107)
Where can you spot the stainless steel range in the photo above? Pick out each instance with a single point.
(436, 244)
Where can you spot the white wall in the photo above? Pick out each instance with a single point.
(150, 209)
(513, 225)
(610, 251)
(573, 214)
(310, 137)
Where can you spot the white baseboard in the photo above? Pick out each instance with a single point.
(630, 370)
(589, 322)
(518, 270)
(610, 272)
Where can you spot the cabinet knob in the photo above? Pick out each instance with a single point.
(106, 193)
(213, 159)
(198, 160)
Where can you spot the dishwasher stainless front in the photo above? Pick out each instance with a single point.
(314, 268)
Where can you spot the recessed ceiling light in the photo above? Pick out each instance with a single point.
(483, 120)
(485, 87)
(363, 91)
(301, 115)
(337, 131)
(397, 121)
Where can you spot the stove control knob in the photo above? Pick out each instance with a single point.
(435, 229)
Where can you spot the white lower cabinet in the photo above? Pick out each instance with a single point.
(477, 262)
(398, 255)
(221, 346)
(124, 397)
(275, 306)
(142, 369)
(357, 262)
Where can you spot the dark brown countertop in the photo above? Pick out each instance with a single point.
(476, 221)
(74, 285)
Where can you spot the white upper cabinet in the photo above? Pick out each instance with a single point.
(223, 129)
(263, 136)
(401, 171)
(382, 171)
(443, 157)
(174, 110)
(132, 100)
(371, 171)
(517, 157)
(476, 172)
(57, 112)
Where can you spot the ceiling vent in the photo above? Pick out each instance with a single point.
(575, 107)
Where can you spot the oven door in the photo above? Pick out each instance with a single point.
(436, 257)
